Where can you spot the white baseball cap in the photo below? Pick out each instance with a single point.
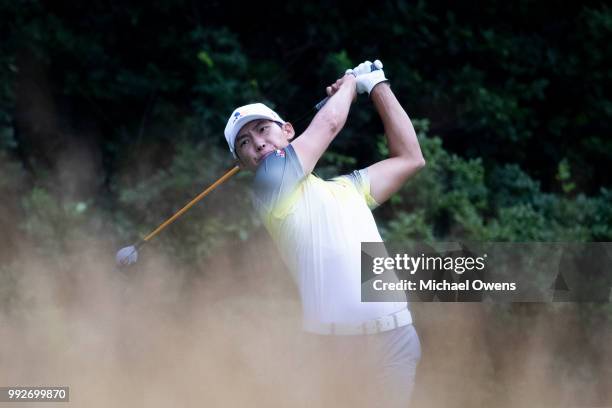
(245, 114)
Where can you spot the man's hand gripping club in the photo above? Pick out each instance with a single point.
(368, 75)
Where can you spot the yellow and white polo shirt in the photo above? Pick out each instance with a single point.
(318, 226)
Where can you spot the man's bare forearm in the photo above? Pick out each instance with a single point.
(337, 107)
(326, 124)
(399, 131)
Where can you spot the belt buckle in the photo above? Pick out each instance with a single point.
(390, 322)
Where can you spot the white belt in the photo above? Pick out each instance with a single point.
(382, 324)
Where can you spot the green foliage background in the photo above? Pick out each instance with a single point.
(509, 101)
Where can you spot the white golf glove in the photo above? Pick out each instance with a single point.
(368, 75)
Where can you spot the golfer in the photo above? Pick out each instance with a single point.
(318, 226)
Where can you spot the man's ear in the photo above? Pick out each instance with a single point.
(288, 130)
(243, 167)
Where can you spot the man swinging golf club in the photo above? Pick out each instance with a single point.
(319, 225)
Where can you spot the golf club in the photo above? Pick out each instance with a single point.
(129, 255)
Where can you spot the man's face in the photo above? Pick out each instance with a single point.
(259, 138)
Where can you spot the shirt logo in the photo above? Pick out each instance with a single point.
(280, 153)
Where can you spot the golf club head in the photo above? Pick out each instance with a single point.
(126, 256)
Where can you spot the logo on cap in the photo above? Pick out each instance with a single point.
(236, 116)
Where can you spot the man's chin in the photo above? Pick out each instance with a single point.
(252, 167)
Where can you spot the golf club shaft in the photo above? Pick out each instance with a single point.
(203, 194)
(190, 204)
(321, 103)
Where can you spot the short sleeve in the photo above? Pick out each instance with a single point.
(361, 180)
(276, 179)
